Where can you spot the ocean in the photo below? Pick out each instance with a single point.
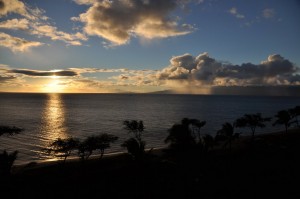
(46, 117)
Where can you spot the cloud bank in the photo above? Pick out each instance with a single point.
(118, 21)
(204, 70)
(186, 74)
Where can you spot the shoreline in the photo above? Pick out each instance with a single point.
(76, 160)
(157, 151)
(75, 157)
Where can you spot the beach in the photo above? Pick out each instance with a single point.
(267, 168)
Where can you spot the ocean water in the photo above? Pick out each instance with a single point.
(46, 117)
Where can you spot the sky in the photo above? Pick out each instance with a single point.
(116, 46)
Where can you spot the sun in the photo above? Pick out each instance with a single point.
(54, 86)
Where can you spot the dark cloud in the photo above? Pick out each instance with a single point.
(2, 5)
(43, 73)
(4, 79)
(12, 6)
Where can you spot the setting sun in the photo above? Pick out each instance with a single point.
(54, 86)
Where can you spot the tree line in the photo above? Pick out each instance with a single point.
(183, 138)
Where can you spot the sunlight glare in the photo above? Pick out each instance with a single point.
(54, 86)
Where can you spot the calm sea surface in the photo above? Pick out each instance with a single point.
(46, 117)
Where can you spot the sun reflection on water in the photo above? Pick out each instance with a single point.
(53, 120)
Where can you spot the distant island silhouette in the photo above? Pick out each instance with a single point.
(242, 90)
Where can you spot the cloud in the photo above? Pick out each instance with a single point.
(5, 79)
(98, 70)
(17, 44)
(85, 2)
(12, 6)
(268, 13)
(39, 73)
(54, 34)
(35, 23)
(15, 24)
(204, 70)
(118, 21)
(18, 7)
(235, 13)
(72, 71)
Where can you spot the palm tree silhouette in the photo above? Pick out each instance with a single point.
(92, 143)
(180, 135)
(283, 118)
(252, 121)
(104, 140)
(62, 148)
(135, 145)
(196, 126)
(7, 159)
(10, 130)
(185, 138)
(135, 127)
(226, 133)
(208, 142)
(295, 112)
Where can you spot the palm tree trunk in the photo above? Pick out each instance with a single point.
(65, 159)
(101, 154)
(253, 134)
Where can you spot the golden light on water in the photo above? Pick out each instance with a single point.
(54, 117)
(53, 120)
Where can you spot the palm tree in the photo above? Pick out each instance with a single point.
(135, 145)
(208, 142)
(135, 148)
(135, 127)
(252, 121)
(63, 148)
(7, 159)
(86, 147)
(196, 127)
(185, 138)
(227, 134)
(283, 117)
(10, 130)
(92, 143)
(180, 135)
(295, 112)
(104, 140)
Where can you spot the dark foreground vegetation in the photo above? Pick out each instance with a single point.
(194, 165)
